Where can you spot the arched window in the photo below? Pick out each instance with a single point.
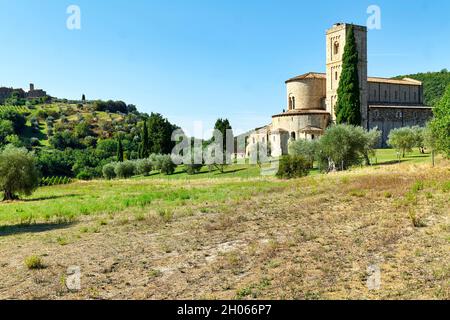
(313, 137)
(336, 48)
(290, 103)
(335, 76)
(293, 102)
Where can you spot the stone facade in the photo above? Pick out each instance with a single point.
(33, 93)
(311, 98)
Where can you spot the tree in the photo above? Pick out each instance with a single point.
(224, 127)
(82, 130)
(64, 140)
(144, 148)
(348, 105)
(440, 125)
(402, 139)
(83, 98)
(17, 119)
(6, 129)
(343, 146)
(160, 134)
(119, 151)
(18, 172)
(419, 138)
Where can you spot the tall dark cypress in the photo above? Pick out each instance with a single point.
(119, 151)
(144, 149)
(348, 105)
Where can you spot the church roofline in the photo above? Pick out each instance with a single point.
(300, 113)
(309, 75)
(412, 107)
(320, 75)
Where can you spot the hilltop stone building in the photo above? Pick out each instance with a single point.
(33, 93)
(311, 99)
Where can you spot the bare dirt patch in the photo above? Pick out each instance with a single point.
(313, 238)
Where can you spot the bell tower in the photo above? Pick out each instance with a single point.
(335, 44)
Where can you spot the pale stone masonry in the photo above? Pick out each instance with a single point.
(33, 93)
(311, 99)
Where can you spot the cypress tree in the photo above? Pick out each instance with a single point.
(144, 149)
(119, 151)
(348, 105)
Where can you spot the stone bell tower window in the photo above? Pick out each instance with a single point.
(336, 48)
(293, 102)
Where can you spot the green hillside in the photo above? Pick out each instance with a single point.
(76, 138)
(434, 84)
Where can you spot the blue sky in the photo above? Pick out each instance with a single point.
(197, 60)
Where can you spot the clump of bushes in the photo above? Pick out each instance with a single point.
(125, 169)
(109, 171)
(167, 165)
(193, 168)
(144, 167)
(341, 147)
(293, 167)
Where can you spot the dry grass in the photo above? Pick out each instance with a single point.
(312, 238)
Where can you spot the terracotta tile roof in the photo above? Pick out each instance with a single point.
(300, 112)
(318, 75)
(406, 81)
(309, 75)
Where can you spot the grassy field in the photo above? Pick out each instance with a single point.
(236, 236)
(65, 203)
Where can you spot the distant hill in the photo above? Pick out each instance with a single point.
(434, 84)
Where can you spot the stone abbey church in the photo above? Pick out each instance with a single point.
(311, 99)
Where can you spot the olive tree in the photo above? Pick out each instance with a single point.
(403, 140)
(18, 172)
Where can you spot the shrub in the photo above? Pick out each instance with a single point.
(156, 160)
(85, 175)
(34, 263)
(125, 169)
(167, 165)
(144, 167)
(34, 142)
(109, 171)
(193, 168)
(293, 167)
(306, 148)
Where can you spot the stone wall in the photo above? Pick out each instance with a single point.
(386, 93)
(309, 94)
(386, 119)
